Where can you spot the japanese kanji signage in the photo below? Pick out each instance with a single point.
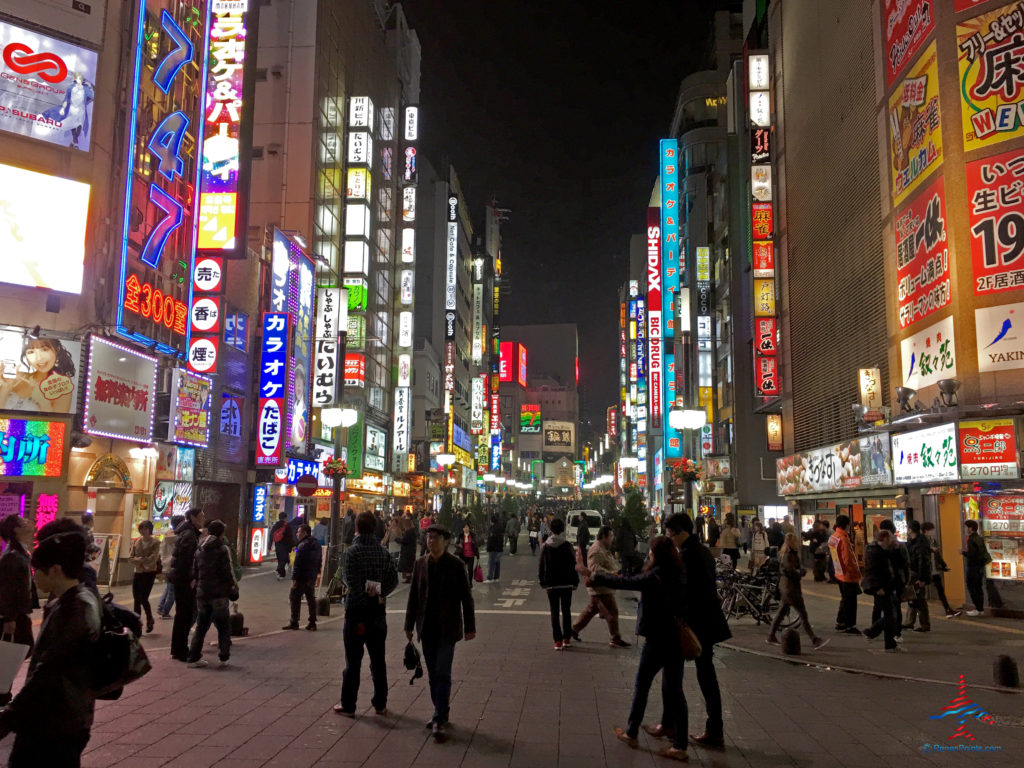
(761, 223)
(925, 456)
(764, 258)
(273, 383)
(189, 421)
(861, 463)
(331, 309)
(31, 447)
(1000, 336)
(995, 195)
(402, 427)
(764, 297)
(988, 449)
(915, 138)
(671, 256)
(990, 49)
(205, 314)
(120, 392)
(907, 24)
(922, 255)
(929, 355)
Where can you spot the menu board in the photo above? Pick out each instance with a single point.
(988, 449)
(865, 462)
(1002, 521)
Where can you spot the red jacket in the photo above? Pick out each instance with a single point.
(844, 559)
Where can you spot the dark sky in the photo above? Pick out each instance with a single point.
(555, 108)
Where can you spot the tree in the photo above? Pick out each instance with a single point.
(635, 511)
(476, 512)
(444, 517)
(509, 507)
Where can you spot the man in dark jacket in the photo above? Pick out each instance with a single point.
(284, 540)
(304, 572)
(495, 546)
(215, 589)
(186, 542)
(53, 712)
(626, 546)
(976, 557)
(899, 556)
(880, 582)
(348, 528)
(583, 536)
(920, 576)
(440, 609)
(370, 575)
(704, 615)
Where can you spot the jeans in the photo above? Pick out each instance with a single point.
(142, 585)
(605, 606)
(184, 615)
(438, 657)
(798, 606)
(660, 654)
(846, 616)
(494, 565)
(166, 600)
(707, 679)
(560, 601)
(371, 632)
(216, 612)
(975, 586)
(303, 589)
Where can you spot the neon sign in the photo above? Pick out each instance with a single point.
(273, 388)
(142, 299)
(31, 448)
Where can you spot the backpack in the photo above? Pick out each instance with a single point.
(278, 535)
(119, 656)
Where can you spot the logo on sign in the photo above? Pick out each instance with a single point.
(47, 66)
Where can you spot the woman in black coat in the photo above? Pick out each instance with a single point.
(407, 553)
(662, 587)
(16, 584)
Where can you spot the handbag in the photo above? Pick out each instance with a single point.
(478, 574)
(11, 656)
(689, 643)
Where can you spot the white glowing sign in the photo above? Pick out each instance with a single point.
(405, 329)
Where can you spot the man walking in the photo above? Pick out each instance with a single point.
(900, 558)
(847, 572)
(495, 546)
(880, 582)
(939, 567)
(440, 608)
(512, 531)
(602, 599)
(920, 577)
(583, 539)
(370, 575)
(304, 573)
(976, 557)
(215, 588)
(284, 540)
(180, 575)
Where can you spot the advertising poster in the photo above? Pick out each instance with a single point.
(189, 421)
(163, 499)
(764, 258)
(906, 24)
(1000, 336)
(925, 456)
(1002, 522)
(31, 447)
(915, 141)
(866, 462)
(764, 297)
(988, 449)
(355, 449)
(529, 419)
(120, 394)
(989, 50)
(558, 435)
(47, 87)
(38, 374)
(922, 255)
(929, 355)
(995, 194)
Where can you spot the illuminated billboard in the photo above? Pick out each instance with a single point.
(529, 419)
(505, 361)
(521, 370)
(31, 447)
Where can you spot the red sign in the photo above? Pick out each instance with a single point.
(988, 449)
(765, 336)
(142, 299)
(306, 485)
(995, 194)
(764, 259)
(355, 370)
(922, 255)
(766, 376)
(613, 422)
(495, 414)
(761, 224)
(505, 361)
(907, 23)
(257, 542)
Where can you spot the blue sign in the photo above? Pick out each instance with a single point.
(298, 467)
(495, 453)
(259, 504)
(273, 389)
(461, 439)
(673, 439)
(671, 260)
(236, 330)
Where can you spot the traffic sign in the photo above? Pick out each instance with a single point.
(306, 485)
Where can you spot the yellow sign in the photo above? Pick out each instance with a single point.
(991, 77)
(764, 297)
(705, 400)
(915, 136)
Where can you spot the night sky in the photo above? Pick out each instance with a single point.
(555, 109)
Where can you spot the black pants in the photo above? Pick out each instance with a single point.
(282, 550)
(370, 632)
(846, 616)
(34, 748)
(513, 544)
(734, 555)
(976, 586)
(660, 654)
(885, 606)
(560, 601)
(897, 611)
(142, 585)
(533, 544)
(303, 589)
(184, 615)
(470, 563)
(707, 679)
(940, 587)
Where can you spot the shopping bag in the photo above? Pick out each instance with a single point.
(11, 656)
(478, 574)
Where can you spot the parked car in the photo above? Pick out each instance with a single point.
(594, 521)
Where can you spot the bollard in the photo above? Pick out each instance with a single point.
(323, 606)
(791, 642)
(1005, 672)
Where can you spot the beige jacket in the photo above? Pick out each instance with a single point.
(601, 560)
(145, 555)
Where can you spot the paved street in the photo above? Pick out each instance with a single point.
(516, 702)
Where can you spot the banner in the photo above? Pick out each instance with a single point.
(865, 462)
(907, 23)
(120, 392)
(922, 255)
(915, 138)
(996, 216)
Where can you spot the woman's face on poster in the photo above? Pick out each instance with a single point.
(41, 356)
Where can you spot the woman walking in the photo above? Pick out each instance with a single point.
(467, 550)
(661, 584)
(758, 546)
(533, 528)
(392, 540)
(407, 555)
(729, 539)
(792, 596)
(559, 578)
(145, 556)
(16, 585)
(166, 555)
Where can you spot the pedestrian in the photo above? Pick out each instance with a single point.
(379, 526)
(939, 567)
(370, 575)
(305, 569)
(817, 539)
(495, 546)
(93, 553)
(662, 586)
(626, 546)
(467, 550)
(321, 530)
(440, 609)
(558, 577)
(786, 526)
(703, 614)
(16, 601)
(348, 527)
(920, 577)
(880, 583)
(775, 534)
(544, 530)
(215, 588)
(713, 531)
(745, 532)
(512, 528)
(392, 540)
(602, 599)
(976, 557)
(533, 529)
(283, 538)
(52, 714)
(758, 546)
(583, 536)
(145, 556)
(847, 573)
(407, 553)
(791, 595)
(901, 572)
(180, 575)
(729, 538)
(167, 543)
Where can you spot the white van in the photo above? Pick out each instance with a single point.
(594, 521)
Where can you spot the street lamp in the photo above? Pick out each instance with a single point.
(687, 419)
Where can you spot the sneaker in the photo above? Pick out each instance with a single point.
(575, 635)
(290, 626)
(340, 710)
(841, 627)
(899, 639)
(311, 627)
(972, 612)
(558, 645)
(200, 664)
(430, 724)
(440, 730)
(895, 649)
(852, 631)
(772, 640)
(624, 737)
(567, 643)
(223, 664)
(618, 642)
(953, 614)
(820, 642)
(870, 638)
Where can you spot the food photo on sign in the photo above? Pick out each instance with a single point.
(39, 373)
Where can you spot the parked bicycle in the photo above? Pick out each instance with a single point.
(754, 595)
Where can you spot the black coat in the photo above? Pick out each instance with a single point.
(878, 573)
(15, 583)
(662, 600)
(306, 567)
(558, 565)
(186, 542)
(920, 558)
(496, 537)
(212, 570)
(287, 537)
(703, 610)
(583, 535)
(455, 600)
(407, 555)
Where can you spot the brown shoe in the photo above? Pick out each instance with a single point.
(624, 737)
(708, 741)
(674, 753)
(659, 731)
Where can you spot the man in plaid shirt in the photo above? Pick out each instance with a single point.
(370, 575)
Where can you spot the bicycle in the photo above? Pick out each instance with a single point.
(754, 595)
